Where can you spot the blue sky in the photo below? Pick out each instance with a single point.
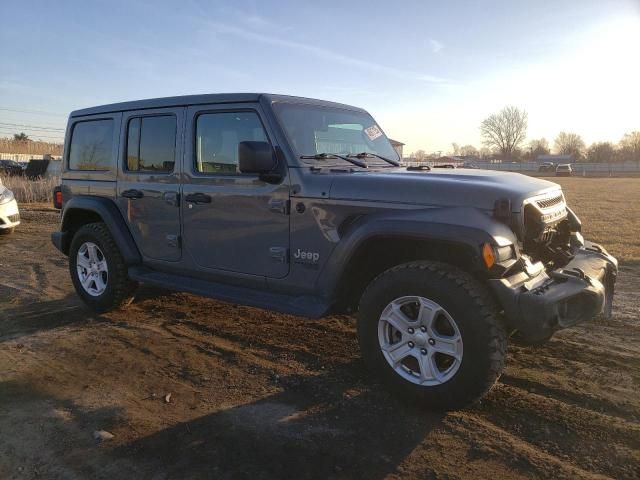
(429, 71)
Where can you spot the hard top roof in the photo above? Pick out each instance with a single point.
(213, 98)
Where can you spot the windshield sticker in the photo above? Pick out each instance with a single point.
(373, 132)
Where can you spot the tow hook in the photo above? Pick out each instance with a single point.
(594, 247)
(579, 273)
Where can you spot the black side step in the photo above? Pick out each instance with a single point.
(304, 305)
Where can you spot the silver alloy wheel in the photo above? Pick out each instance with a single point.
(420, 340)
(93, 272)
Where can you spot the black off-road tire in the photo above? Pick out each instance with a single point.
(7, 231)
(119, 287)
(472, 308)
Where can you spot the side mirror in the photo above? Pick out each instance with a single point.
(255, 157)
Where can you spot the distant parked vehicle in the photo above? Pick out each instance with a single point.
(10, 167)
(469, 165)
(547, 167)
(9, 216)
(36, 168)
(563, 170)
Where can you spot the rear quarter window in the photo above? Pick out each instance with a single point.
(91, 145)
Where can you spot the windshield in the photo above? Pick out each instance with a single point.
(314, 129)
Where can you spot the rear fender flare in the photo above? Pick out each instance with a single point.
(110, 215)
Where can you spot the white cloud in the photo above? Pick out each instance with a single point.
(323, 53)
(436, 46)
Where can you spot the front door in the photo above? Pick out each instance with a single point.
(148, 180)
(232, 221)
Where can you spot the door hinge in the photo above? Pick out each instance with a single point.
(279, 254)
(172, 198)
(174, 241)
(280, 205)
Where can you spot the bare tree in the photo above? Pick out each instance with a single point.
(570, 144)
(505, 130)
(21, 137)
(455, 149)
(601, 152)
(486, 153)
(419, 155)
(468, 150)
(538, 146)
(630, 147)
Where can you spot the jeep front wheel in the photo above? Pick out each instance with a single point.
(430, 332)
(97, 268)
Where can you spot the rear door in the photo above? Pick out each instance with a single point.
(232, 221)
(148, 180)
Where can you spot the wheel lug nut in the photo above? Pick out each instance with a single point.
(432, 341)
(411, 344)
(423, 329)
(423, 351)
(411, 330)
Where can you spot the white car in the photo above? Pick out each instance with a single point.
(9, 215)
(564, 170)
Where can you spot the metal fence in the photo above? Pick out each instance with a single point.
(579, 168)
(25, 157)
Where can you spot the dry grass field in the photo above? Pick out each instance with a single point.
(31, 191)
(8, 145)
(256, 394)
(609, 209)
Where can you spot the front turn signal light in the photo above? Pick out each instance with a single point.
(488, 255)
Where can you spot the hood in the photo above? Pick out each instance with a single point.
(440, 187)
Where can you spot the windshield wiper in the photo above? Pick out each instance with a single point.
(368, 154)
(325, 156)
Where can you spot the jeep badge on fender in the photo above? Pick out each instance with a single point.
(306, 257)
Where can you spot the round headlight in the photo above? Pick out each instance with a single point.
(6, 195)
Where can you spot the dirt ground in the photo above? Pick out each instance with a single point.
(262, 395)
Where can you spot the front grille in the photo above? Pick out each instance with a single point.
(14, 218)
(550, 202)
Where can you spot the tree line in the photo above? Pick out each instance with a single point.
(504, 136)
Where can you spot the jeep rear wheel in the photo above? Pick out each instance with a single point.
(431, 333)
(97, 268)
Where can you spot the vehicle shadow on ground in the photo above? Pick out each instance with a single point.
(317, 427)
(23, 319)
(28, 318)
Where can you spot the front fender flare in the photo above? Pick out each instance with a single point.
(463, 226)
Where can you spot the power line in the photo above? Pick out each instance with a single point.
(8, 132)
(37, 112)
(31, 127)
(16, 129)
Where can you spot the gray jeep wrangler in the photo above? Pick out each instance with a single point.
(301, 206)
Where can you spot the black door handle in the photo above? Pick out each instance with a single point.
(198, 198)
(132, 194)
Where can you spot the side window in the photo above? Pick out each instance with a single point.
(151, 144)
(91, 145)
(218, 136)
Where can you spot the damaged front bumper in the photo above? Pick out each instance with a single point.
(537, 303)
